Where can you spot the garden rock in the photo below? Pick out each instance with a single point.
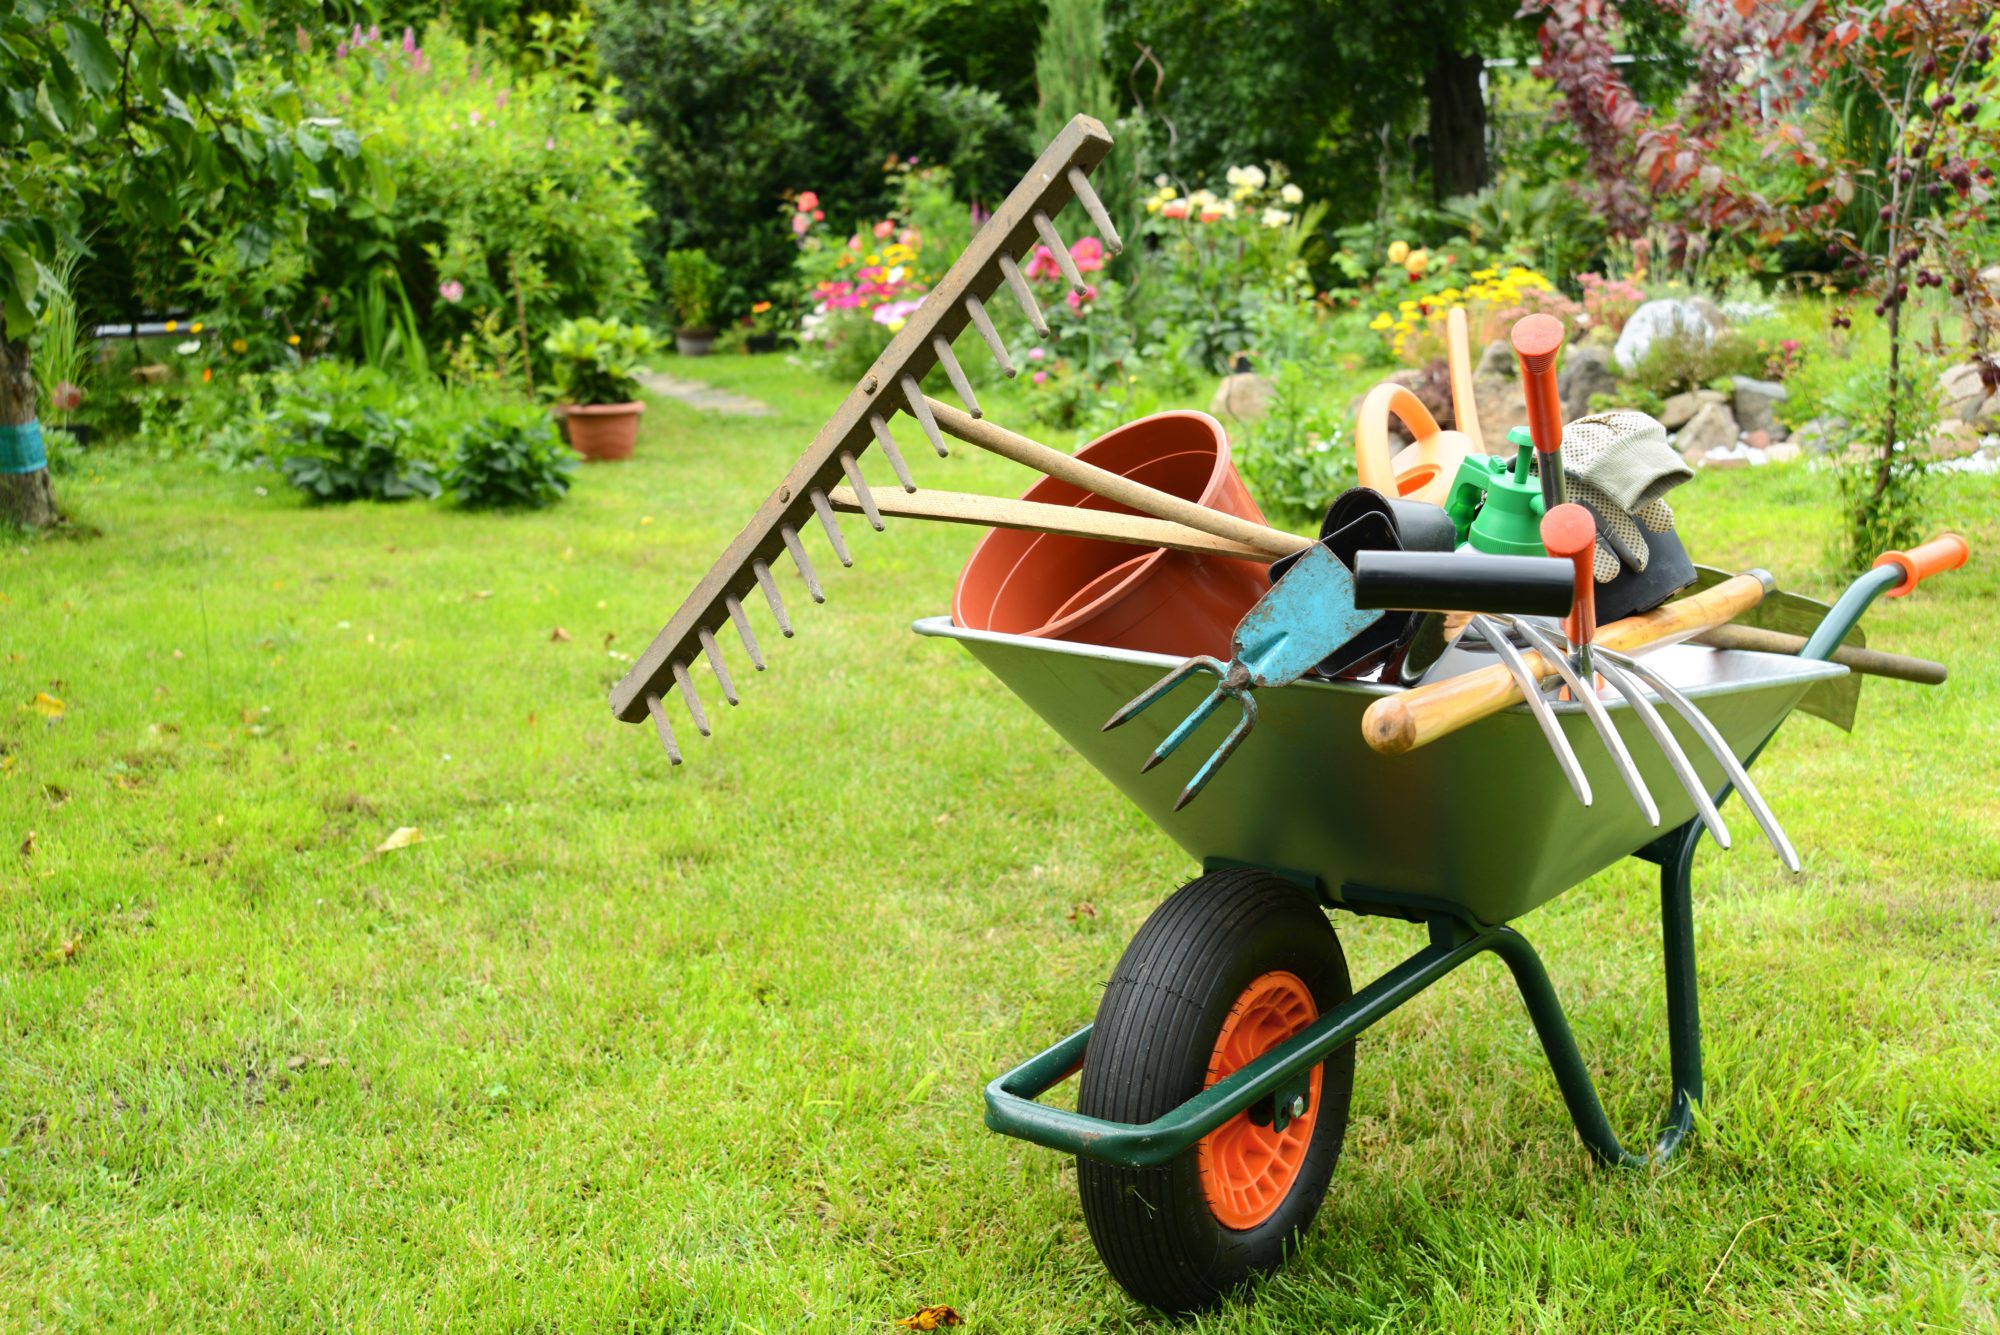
(1586, 371)
(155, 374)
(1965, 397)
(1783, 452)
(1245, 396)
(1754, 403)
(1662, 318)
(1501, 409)
(1680, 409)
(1713, 428)
(1818, 436)
(1953, 439)
(1496, 362)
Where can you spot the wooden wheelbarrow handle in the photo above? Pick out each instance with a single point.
(1416, 717)
(1869, 662)
(1076, 521)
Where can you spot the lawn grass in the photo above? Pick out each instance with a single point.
(619, 1048)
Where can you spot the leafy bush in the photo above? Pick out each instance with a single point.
(510, 459)
(353, 455)
(1297, 457)
(695, 284)
(1684, 359)
(597, 361)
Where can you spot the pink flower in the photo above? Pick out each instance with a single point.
(452, 290)
(895, 312)
(374, 32)
(409, 42)
(1077, 300)
(65, 397)
(500, 100)
(549, 143)
(1040, 377)
(340, 51)
(1036, 354)
(808, 201)
(884, 230)
(819, 215)
(854, 244)
(1088, 254)
(800, 224)
(471, 118)
(1042, 264)
(909, 236)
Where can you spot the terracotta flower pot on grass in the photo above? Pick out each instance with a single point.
(694, 342)
(601, 431)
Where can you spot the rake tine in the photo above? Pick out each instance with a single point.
(889, 450)
(1766, 819)
(860, 485)
(770, 587)
(689, 698)
(833, 533)
(1221, 753)
(1092, 205)
(1593, 708)
(1145, 698)
(983, 322)
(1545, 717)
(742, 624)
(665, 729)
(1024, 295)
(956, 374)
(1064, 260)
(798, 551)
(1185, 728)
(715, 663)
(1676, 758)
(913, 394)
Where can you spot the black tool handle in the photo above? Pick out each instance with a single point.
(1462, 582)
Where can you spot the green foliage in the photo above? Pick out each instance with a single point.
(1072, 76)
(510, 459)
(1545, 225)
(1297, 457)
(747, 103)
(1684, 360)
(597, 361)
(1882, 442)
(61, 349)
(695, 285)
(337, 454)
(388, 326)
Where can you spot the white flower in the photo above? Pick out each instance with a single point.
(1291, 194)
(189, 348)
(1275, 218)
(1161, 179)
(1245, 178)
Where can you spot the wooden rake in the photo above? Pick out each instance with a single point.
(892, 385)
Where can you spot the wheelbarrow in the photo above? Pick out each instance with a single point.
(1216, 1076)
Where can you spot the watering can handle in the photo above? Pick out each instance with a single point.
(1372, 465)
(1416, 717)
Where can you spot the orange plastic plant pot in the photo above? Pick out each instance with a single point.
(602, 431)
(1066, 588)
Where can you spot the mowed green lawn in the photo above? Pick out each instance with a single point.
(616, 1047)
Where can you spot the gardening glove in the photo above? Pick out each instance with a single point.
(1620, 467)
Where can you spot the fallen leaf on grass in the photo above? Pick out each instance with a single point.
(558, 636)
(931, 1318)
(401, 837)
(1083, 910)
(479, 595)
(28, 845)
(47, 706)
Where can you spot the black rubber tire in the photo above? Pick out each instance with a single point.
(1156, 1028)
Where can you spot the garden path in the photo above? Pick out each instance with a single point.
(698, 394)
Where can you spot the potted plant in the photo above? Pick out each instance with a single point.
(596, 364)
(694, 289)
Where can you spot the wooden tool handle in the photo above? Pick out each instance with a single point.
(1113, 486)
(1868, 662)
(1458, 357)
(958, 507)
(1413, 718)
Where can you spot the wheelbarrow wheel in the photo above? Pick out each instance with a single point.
(1229, 967)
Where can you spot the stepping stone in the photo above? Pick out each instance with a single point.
(705, 397)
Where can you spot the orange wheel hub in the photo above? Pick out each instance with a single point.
(1247, 1169)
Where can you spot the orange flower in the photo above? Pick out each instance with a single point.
(760, 307)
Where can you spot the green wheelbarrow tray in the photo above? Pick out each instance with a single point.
(1463, 836)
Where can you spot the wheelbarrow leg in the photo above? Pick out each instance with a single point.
(1683, 1016)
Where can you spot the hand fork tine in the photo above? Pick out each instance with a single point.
(1545, 718)
(1555, 656)
(1676, 758)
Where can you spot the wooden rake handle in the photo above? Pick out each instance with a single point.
(1402, 722)
(958, 507)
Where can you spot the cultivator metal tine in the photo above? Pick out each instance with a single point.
(1531, 691)
(983, 322)
(1094, 207)
(920, 408)
(1185, 728)
(1556, 656)
(1220, 756)
(833, 533)
(1024, 295)
(664, 728)
(1676, 758)
(717, 666)
(889, 450)
(1064, 260)
(1144, 699)
(892, 384)
(798, 551)
(689, 698)
(742, 624)
(861, 492)
(1760, 811)
(770, 588)
(956, 375)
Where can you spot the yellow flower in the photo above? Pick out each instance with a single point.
(1416, 260)
(1406, 306)
(293, 340)
(1381, 321)
(172, 325)
(1398, 251)
(195, 328)
(758, 308)
(238, 345)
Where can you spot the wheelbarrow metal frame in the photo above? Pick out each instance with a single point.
(1012, 1106)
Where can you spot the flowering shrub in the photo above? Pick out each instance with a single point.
(1493, 297)
(1608, 302)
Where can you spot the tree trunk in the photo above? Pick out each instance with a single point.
(26, 499)
(1457, 124)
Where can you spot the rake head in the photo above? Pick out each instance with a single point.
(892, 385)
